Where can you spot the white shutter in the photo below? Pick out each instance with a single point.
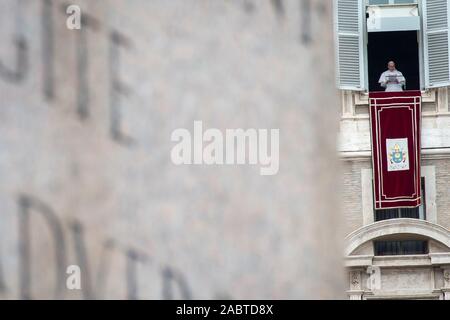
(349, 36)
(436, 42)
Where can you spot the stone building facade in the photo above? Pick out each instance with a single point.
(395, 253)
(420, 276)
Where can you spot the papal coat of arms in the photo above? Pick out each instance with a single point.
(397, 154)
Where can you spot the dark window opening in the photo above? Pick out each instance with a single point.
(405, 247)
(402, 47)
(387, 214)
(413, 213)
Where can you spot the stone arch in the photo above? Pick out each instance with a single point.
(396, 226)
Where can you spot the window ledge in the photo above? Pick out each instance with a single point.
(402, 260)
(430, 259)
(362, 98)
(424, 115)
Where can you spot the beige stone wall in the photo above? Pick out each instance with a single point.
(352, 193)
(442, 190)
(86, 177)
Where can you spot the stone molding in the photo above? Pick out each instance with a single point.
(396, 226)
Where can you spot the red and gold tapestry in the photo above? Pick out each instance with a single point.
(395, 132)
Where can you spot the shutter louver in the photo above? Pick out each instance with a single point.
(436, 43)
(349, 44)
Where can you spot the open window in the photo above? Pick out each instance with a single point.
(399, 46)
(413, 33)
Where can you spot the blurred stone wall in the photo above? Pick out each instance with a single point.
(86, 177)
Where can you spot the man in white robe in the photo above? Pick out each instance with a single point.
(392, 79)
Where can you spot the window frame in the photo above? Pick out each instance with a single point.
(391, 2)
(402, 245)
(420, 42)
(423, 44)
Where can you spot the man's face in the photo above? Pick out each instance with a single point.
(391, 66)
